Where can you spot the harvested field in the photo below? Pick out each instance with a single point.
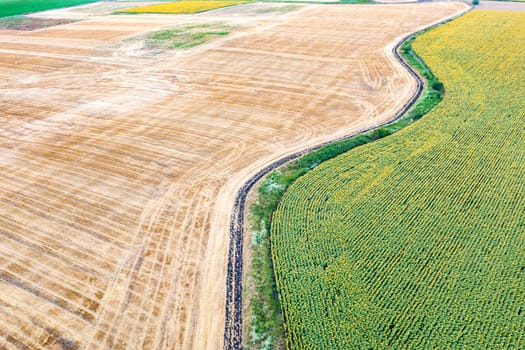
(119, 173)
(28, 23)
(501, 5)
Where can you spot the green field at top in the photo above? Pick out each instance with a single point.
(417, 240)
(20, 7)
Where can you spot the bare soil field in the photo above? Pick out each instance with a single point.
(119, 172)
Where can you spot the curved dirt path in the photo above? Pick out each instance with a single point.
(233, 331)
(119, 172)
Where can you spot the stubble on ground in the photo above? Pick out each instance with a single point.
(119, 171)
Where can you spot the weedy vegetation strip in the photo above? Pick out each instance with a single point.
(265, 328)
(30, 23)
(417, 240)
(186, 37)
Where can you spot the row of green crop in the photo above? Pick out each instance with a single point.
(418, 240)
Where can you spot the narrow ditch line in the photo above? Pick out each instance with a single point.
(233, 332)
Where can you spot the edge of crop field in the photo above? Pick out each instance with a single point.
(129, 12)
(233, 329)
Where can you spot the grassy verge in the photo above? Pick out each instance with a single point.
(20, 7)
(186, 37)
(265, 329)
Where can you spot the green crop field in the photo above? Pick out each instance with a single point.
(417, 240)
(19, 7)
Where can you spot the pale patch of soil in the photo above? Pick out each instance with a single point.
(102, 8)
(501, 6)
(395, 1)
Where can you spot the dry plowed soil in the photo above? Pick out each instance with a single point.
(119, 171)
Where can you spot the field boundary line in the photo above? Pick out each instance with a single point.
(233, 328)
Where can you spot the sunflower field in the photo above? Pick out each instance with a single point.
(417, 240)
(184, 7)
